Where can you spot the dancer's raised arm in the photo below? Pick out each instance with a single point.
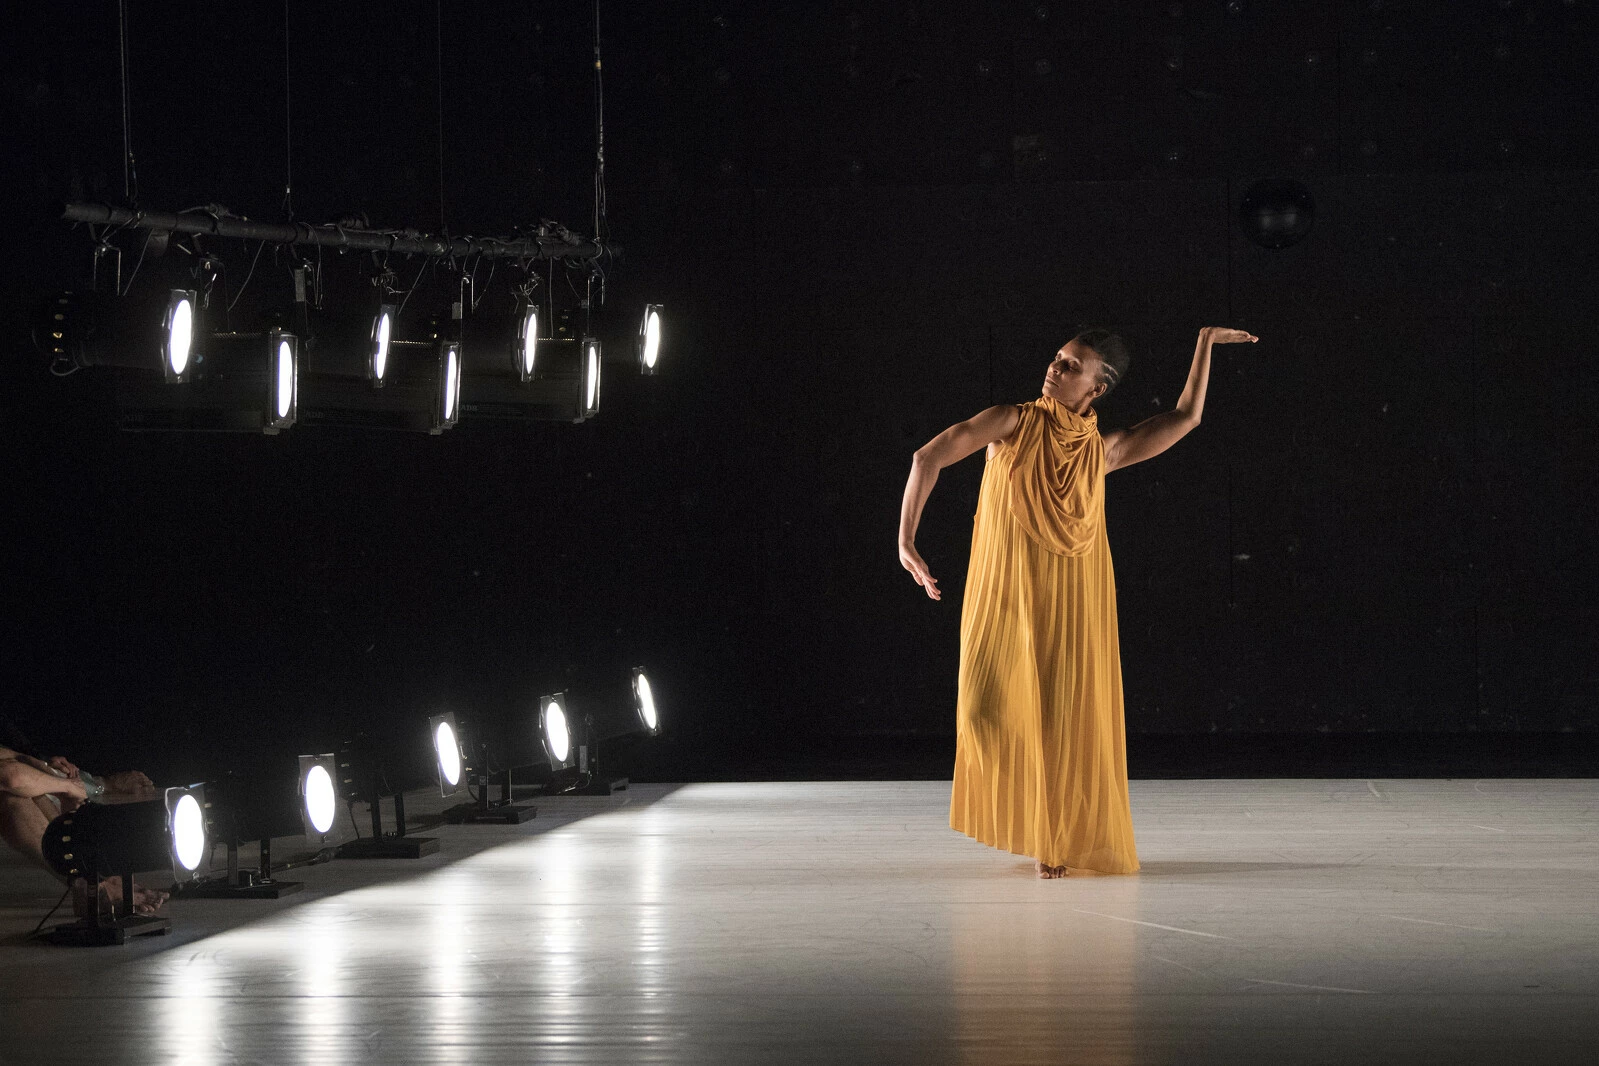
(950, 446)
(1155, 434)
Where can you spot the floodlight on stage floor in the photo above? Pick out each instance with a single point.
(462, 760)
(572, 744)
(649, 339)
(319, 801)
(239, 810)
(364, 775)
(100, 840)
(243, 382)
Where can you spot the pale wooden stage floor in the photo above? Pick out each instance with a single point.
(1274, 921)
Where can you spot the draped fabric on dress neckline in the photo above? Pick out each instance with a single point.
(1058, 477)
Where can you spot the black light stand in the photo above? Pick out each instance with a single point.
(483, 810)
(95, 931)
(362, 777)
(381, 845)
(241, 884)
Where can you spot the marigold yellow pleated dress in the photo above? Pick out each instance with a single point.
(1040, 748)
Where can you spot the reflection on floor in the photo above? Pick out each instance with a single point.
(1273, 921)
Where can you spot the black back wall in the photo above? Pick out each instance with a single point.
(867, 222)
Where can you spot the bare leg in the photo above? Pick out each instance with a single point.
(22, 823)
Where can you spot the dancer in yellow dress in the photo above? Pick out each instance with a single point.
(1040, 749)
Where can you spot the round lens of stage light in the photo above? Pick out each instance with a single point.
(449, 754)
(319, 801)
(591, 388)
(530, 340)
(652, 338)
(285, 378)
(180, 334)
(645, 700)
(452, 380)
(555, 731)
(380, 344)
(188, 832)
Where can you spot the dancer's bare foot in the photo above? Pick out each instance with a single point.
(1048, 871)
(146, 900)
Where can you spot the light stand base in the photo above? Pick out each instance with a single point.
(388, 847)
(502, 813)
(81, 934)
(247, 888)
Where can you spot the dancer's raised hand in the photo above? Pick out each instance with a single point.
(1223, 335)
(913, 562)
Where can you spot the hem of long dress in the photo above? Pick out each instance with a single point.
(1027, 854)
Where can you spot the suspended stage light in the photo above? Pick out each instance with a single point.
(450, 385)
(591, 377)
(527, 340)
(242, 383)
(421, 387)
(649, 339)
(178, 329)
(101, 840)
(564, 386)
(378, 349)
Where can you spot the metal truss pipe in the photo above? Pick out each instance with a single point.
(407, 242)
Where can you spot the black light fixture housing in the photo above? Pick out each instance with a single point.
(240, 809)
(421, 389)
(243, 383)
(564, 385)
(319, 792)
(475, 771)
(146, 333)
(366, 773)
(572, 744)
(649, 339)
(100, 840)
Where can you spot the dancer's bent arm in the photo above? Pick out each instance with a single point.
(1155, 434)
(950, 446)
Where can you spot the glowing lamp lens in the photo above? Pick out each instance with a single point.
(285, 378)
(652, 338)
(645, 699)
(188, 832)
(180, 334)
(530, 339)
(449, 754)
(555, 731)
(319, 800)
(452, 381)
(591, 390)
(380, 344)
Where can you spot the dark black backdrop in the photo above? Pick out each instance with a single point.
(867, 222)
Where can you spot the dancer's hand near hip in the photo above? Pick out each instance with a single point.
(910, 560)
(951, 446)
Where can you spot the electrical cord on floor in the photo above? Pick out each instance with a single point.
(51, 912)
(322, 856)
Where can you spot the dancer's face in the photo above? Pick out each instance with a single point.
(1073, 377)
